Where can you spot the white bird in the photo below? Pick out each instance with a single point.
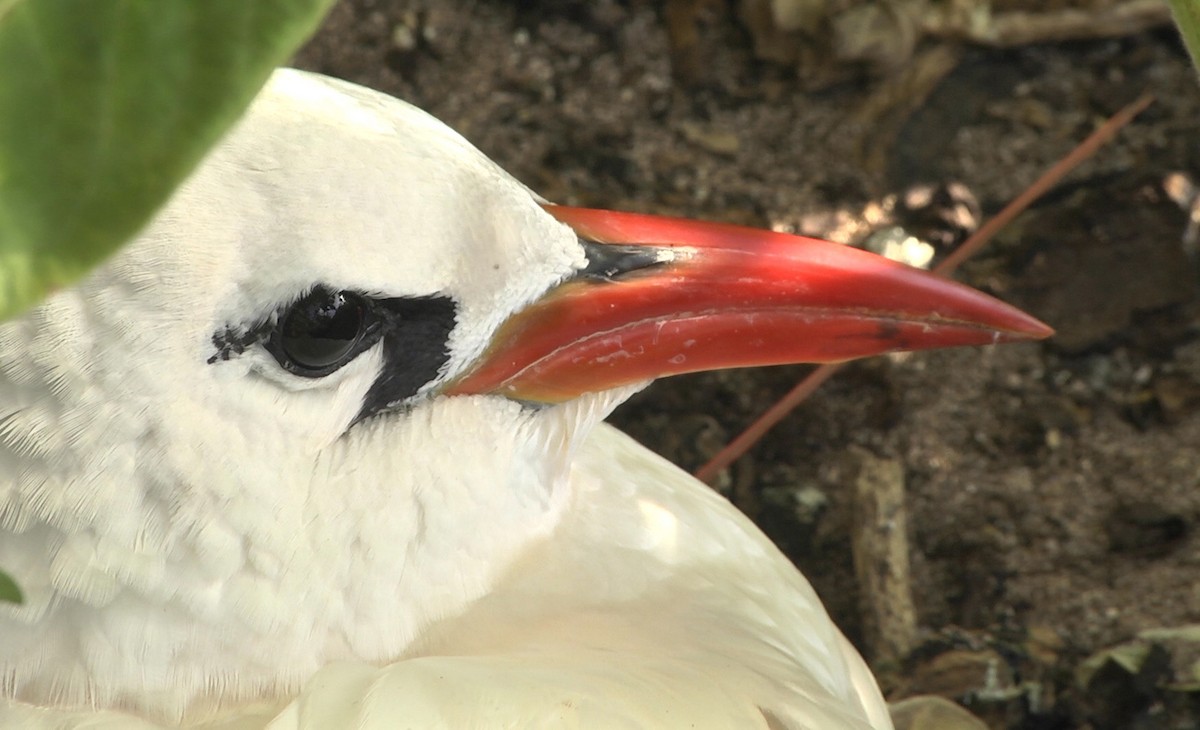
(323, 448)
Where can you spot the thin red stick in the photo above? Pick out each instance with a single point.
(785, 405)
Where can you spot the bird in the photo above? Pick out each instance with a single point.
(323, 446)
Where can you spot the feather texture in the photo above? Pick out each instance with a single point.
(654, 604)
(212, 541)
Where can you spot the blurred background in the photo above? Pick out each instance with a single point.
(1049, 494)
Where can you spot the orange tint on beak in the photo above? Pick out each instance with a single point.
(668, 296)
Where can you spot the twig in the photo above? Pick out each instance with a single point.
(1049, 179)
(1017, 28)
(785, 405)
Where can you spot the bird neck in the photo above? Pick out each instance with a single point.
(176, 563)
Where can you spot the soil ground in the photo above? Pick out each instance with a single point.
(1053, 490)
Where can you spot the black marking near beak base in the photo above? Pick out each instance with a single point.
(612, 261)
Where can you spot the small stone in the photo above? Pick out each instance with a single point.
(719, 142)
(881, 36)
(961, 673)
(803, 15)
(806, 503)
(403, 38)
(1044, 645)
(895, 243)
(1053, 439)
(1177, 395)
(932, 713)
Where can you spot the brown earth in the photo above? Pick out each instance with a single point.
(1053, 490)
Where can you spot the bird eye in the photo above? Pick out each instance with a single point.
(320, 333)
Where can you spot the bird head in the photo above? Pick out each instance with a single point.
(332, 390)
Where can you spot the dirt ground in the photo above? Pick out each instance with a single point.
(1053, 490)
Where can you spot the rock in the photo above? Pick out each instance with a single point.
(1119, 684)
(1152, 681)
(943, 214)
(804, 15)
(805, 502)
(1043, 645)
(896, 244)
(1004, 684)
(961, 673)
(932, 713)
(881, 36)
(1177, 395)
(718, 141)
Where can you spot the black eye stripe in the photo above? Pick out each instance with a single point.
(327, 328)
(415, 349)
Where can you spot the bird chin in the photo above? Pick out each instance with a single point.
(590, 409)
(562, 428)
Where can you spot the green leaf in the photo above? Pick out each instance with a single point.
(105, 106)
(1187, 17)
(9, 591)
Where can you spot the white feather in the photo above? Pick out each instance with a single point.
(211, 541)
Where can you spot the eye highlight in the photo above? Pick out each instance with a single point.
(322, 331)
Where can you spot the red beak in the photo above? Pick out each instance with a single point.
(663, 296)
